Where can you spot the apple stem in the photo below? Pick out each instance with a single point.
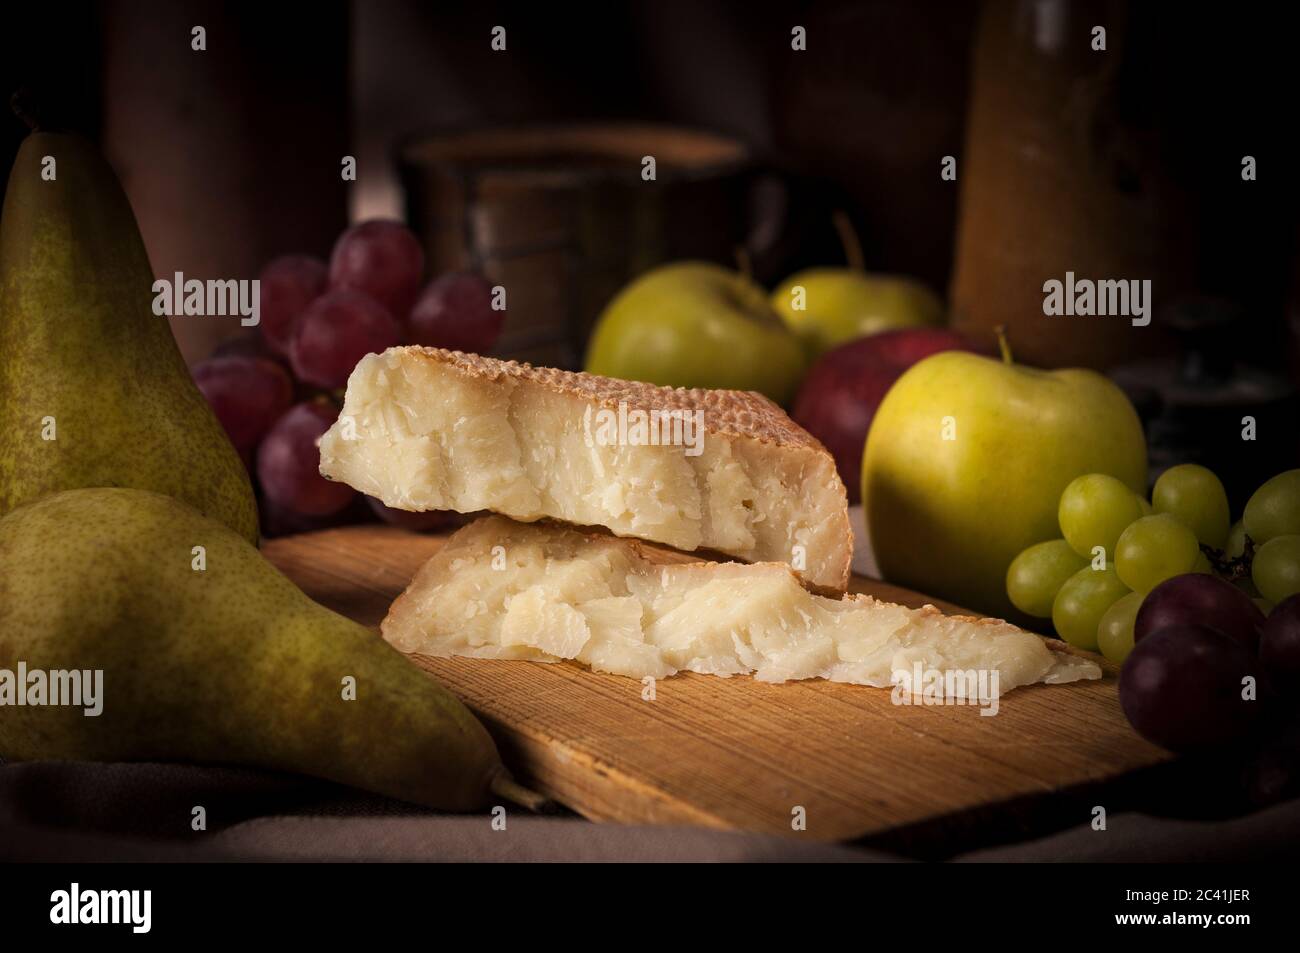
(1003, 344)
(848, 239)
(743, 262)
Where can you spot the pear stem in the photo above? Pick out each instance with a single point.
(1003, 345)
(744, 263)
(848, 240)
(505, 786)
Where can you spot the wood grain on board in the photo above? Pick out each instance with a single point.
(736, 753)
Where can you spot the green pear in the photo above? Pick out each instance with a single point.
(211, 655)
(93, 389)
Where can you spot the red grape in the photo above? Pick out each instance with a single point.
(430, 521)
(248, 395)
(336, 331)
(1181, 688)
(245, 345)
(455, 312)
(288, 463)
(1198, 598)
(1279, 646)
(289, 284)
(383, 259)
(1271, 771)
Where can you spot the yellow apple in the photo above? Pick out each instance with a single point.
(694, 324)
(966, 461)
(828, 306)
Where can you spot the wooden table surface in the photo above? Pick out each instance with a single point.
(735, 753)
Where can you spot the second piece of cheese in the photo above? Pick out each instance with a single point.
(500, 589)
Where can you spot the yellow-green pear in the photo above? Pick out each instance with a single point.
(208, 654)
(93, 389)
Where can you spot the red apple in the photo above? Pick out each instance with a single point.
(844, 387)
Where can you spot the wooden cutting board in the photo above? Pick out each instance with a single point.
(735, 753)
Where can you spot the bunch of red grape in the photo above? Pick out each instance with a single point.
(1215, 651)
(1211, 658)
(277, 392)
(1207, 666)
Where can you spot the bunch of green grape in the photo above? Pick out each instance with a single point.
(1116, 547)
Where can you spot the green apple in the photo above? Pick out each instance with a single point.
(966, 461)
(840, 304)
(693, 324)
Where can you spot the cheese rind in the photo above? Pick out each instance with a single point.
(424, 429)
(554, 593)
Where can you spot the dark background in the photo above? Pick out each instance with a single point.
(230, 156)
(884, 93)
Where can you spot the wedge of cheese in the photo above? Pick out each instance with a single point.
(426, 429)
(504, 590)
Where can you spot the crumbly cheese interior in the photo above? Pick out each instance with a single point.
(424, 435)
(503, 590)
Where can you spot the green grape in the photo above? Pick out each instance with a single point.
(1276, 569)
(1194, 496)
(1202, 564)
(1115, 631)
(1094, 510)
(1081, 603)
(1147, 508)
(1153, 549)
(1037, 574)
(1264, 606)
(1274, 510)
(1236, 544)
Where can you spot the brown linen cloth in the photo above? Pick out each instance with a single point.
(77, 811)
(73, 811)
